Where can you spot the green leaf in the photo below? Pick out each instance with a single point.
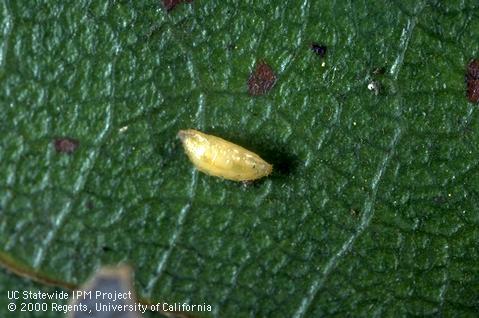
(15, 286)
(371, 209)
(21, 288)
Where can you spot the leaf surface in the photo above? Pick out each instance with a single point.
(371, 210)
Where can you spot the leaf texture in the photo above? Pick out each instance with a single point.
(371, 209)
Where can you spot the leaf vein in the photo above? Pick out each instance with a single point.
(80, 182)
(368, 214)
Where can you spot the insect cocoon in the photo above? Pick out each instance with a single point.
(218, 157)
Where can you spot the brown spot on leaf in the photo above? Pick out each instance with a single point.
(319, 49)
(261, 80)
(171, 4)
(66, 145)
(473, 69)
(472, 81)
(473, 90)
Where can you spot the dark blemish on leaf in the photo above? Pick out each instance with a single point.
(261, 80)
(319, 49)
(171, 4)
(66, 145)
(472, 81)
(374, 84)
(473, 90)
(90, 205)
(106, 248)
(473, 69)
(379, 71)
(354, 212)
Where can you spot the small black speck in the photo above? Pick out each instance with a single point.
(319, 49)
(379, 71)
(106, 248)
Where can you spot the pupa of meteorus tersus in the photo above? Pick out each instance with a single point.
(218, 157)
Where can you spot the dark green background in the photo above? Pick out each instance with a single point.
(373, 206)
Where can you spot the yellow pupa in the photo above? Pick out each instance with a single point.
(218, 157)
